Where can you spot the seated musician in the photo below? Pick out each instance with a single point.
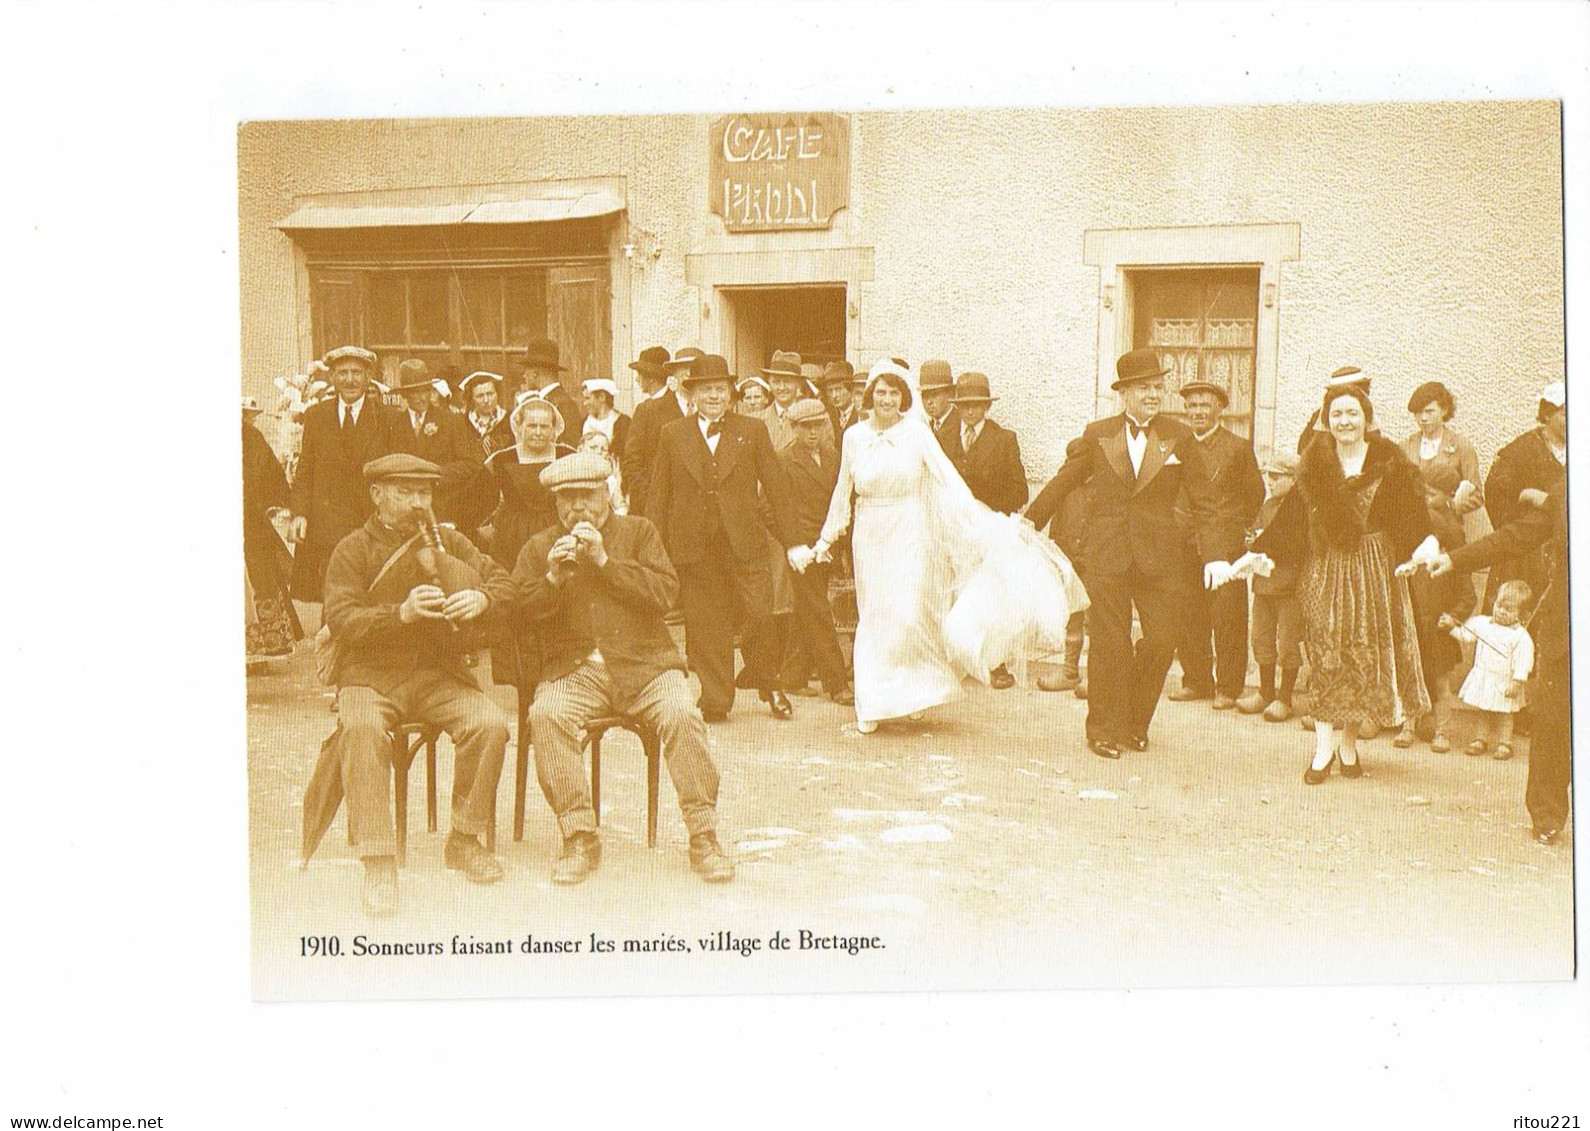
(403, 618)
(595, 588)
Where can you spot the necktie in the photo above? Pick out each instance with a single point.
(714, 427)
(347, 415)
(968, 434)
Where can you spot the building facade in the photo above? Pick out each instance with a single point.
(1264, 246)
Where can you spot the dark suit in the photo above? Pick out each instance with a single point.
(463, 497)
(949, 433)
(329, 488)
(842, 420)
(640, 446)
(1131, 551)
(1238, 492)
(1525, 462)
(812, 484)
(709, 509)
(992, 469)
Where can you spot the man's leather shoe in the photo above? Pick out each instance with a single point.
(844, 697)
(779, 704)
(380, 888)
(582, 852)
(1189, 695)
(465, 854)
(708, 861)
(1278, 711)
(1062, 681)
(714, 716)
(1104, 748)
(1138, 742)
(805, 691)
(1000, 679)
(1252, 703)
(1223, 703)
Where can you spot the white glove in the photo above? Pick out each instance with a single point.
(820, 551)
(1426, 552)
(1216, 574)
(800, 557)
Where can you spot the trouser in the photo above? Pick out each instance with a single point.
(367, 718)
(1223, 614)
(1124, 683)
(716, 596)
(815, 643)
(558, 716)
(1277, 630)
(1550, 765)
(1076, 632)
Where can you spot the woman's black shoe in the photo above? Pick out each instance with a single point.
(1350, 770)
(1311, 776)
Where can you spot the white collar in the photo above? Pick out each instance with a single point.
(1202, 436)
(355, 407)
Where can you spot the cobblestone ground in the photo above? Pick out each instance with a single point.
(983, 845)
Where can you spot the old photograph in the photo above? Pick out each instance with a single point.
(934, 549)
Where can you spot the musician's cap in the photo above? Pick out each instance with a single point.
(401, 468)
(355, 352)
(1280, 463)
(579, 471)
(806, 411)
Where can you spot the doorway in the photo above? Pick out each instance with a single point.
(758, 320)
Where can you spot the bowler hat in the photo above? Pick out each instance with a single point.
(837, 373)
(579, 471)
(653, 361)
(935, 374)
(708, 367)
(542, 353)
(1206, 387)
(1138, 365)
(686, 357)
(972, 387)
(412, 374)
(399, 466)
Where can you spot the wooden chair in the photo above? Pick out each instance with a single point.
(650, 745)
(407, 741)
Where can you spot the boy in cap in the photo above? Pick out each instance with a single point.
(401, 641)
(594, 590)
(813, 470)
(1277, 628)
(341, 434)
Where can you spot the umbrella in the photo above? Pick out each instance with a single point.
(323, 794)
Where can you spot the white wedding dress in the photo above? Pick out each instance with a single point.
(945, 587)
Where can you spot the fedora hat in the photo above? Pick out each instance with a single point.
(542, 353)
(785, 363)
(412, 374)
(972, 387)
(1206, 387)
(837, 373)
(653, 361)
(1138, 365)
(935, 374)
(708, 367)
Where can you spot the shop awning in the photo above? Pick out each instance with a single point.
(534, 202)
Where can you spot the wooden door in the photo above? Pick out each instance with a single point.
(578, 304)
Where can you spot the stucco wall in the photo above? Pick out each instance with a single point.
(1431, 240)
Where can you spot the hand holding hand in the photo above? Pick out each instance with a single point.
(424, 602)
(1406, 569)
(800, 557)
(466, 604)
(1440, 565)
(821, 551)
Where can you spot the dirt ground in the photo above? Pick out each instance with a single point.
(982, 847)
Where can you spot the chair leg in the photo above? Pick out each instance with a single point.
(521, 767)
(430, 784)
(653, 783)
(491, 829)
(596, 778)
(402, 758)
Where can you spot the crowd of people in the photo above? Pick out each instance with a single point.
(570, 532)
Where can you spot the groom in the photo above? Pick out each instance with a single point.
(1133, 467)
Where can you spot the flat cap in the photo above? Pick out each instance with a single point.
(579, 471)
(806, 411)
(357, 352)
(401, 465)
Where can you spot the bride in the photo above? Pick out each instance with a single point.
(946, 588)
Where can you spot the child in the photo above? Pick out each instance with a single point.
(1504, 654)
(596, 441)
(1277, 630)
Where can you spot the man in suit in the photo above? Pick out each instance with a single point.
(789, 384)
(1237, 492)
(594, 589)
(813, 470)
(542, 364)
(938, 386)
(1134, 466)
(990, 462)
(712, 471)
(441, 437)
(341, 435)
(838, 382)
(664, 404)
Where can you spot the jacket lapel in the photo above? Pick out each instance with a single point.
(1115, 452)
(730, 442)
(698, 457)
(1154, 453)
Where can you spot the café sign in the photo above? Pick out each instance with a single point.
(779, 172)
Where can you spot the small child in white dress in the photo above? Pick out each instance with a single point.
(1504, 655)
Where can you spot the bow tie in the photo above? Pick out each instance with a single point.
(714, 427)
(1135, 430)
